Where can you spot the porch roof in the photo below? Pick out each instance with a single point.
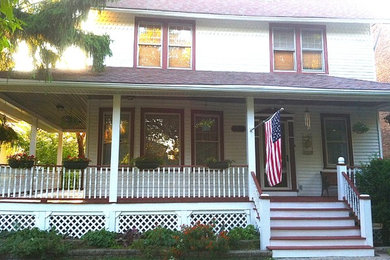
(72, 89)
(333, 9)
(141, 76)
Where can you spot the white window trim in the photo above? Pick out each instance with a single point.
(317, 50)
(153, 44)
(177, 45)
(284, 49)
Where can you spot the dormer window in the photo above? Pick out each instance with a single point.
(298, 49)
(167, 44)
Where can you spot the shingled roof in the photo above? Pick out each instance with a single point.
(342, 9)
(138, 76)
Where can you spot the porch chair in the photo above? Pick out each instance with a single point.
(327, 179)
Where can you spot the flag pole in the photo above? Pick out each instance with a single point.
(265, 120)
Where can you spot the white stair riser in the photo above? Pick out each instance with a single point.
(294, 233)
(322, 253)
(338, 242)
(313, 223)
(308, 205)
(308, 213)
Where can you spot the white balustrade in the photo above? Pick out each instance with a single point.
(182, 182)
(54, 182)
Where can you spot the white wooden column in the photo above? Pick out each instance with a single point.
(60, 148)
(116, 118)
(250, 140)
(33, 137)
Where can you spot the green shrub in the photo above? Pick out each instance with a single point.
(33, 243)
(101, 238)
(374, 179)
(156, 242)
(239, 233)
(201, 240)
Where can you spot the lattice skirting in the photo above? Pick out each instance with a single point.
(76, 225)
(12, 222)
(222, 221)
(147, 221)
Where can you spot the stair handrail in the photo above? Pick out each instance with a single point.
(257, 184)
(351, 195)
(359, 203)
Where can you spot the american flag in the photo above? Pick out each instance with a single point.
(273, 142)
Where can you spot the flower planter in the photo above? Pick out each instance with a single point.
(20, 164)
(76, 165)
(147, 165)
(219, 165)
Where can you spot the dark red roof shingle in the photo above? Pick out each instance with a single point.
(185, 77)
(349, 9)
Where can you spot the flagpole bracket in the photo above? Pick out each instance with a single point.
(265, 120)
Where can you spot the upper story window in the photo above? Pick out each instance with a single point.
(298, 49)
(164, 44)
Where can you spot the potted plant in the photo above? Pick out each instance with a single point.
(145, 162)
(205, 124)
(213, 163)
(7, 134)
(21, 160)
(360, 127)
(76, 162)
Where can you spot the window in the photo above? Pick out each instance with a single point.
(126, 134)
(336, 139)
(165, 44)
(162, 135)
(298, 49)
(207, 136)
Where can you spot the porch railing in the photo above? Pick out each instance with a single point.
(56, 182)
(183, 182)
(351, 194)
(359, 203)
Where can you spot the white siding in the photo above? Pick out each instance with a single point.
(350, 51)
(232, 46)
(243, 45)
(308, 167)
(120, 28)
(234, 114)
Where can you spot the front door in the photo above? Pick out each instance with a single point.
(288, 158)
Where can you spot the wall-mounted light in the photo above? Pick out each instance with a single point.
(307, 119)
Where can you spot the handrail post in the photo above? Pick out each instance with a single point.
(265, 221)
(366, 219)
(341, 167)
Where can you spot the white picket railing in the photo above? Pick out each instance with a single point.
(56, 182)
(183, 182)
(352, 195)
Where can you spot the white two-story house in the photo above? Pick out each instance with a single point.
(178, 66)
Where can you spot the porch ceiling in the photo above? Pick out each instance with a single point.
(66, 112)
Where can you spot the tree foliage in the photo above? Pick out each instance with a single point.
(49, 26)
(47, 144)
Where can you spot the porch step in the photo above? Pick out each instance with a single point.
(310, 212)
(315, 231)
(318, 241)
(312, 221)
(321, 251)
(306, 227)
